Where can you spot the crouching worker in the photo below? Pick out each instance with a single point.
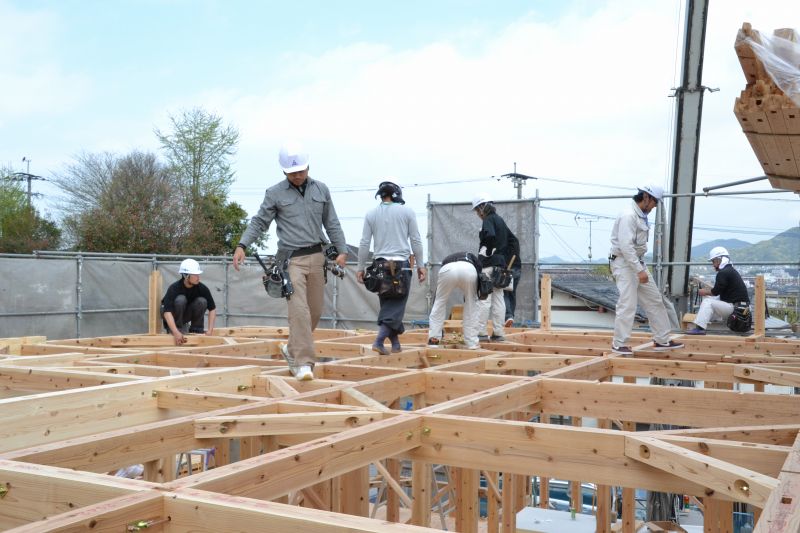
(184, 306)
(392, 226)
(729, 291)
(459, 271)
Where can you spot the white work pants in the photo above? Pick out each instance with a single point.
(647, 295)
(457, 275)
(494, 305)
(712, 309)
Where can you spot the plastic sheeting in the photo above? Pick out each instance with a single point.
(454, 228)
(42, 296)
(781, 60)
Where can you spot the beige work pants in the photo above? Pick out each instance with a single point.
(305, 305)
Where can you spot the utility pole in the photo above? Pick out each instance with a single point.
(518, 180)
(589, 219)
(26, 176)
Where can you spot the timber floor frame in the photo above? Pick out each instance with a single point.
(303, 456)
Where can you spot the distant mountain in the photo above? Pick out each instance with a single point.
(700, 252)
(782, 247)
(553, 259)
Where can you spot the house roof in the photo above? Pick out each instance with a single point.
(596, 289)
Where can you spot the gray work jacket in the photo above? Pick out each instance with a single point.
(299, 218)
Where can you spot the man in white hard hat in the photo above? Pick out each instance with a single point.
(184, 305)
(729, 290)
(459, 271)
(495, 250)
(629, 238)
(301, 207)
(393, 228)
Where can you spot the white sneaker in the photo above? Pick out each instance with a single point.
(302, 373)
(284, 348)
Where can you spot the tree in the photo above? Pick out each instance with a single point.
(198, 150)
(217, 229)
(124, 204)
(22, 228)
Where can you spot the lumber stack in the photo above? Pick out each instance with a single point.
(769, 118)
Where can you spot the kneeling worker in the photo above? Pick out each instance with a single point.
(184, 305)
(729, 289)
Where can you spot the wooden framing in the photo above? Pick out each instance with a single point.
(310, 456)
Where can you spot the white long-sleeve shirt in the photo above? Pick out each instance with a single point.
(391, 225)
(629, 238)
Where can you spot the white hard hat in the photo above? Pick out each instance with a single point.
(189, 266)
(653, 190)
(293, 158)
(480, 199)
(717, 251)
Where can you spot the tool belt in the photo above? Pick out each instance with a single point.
(308, 250)
(385, 277)
(741, 320)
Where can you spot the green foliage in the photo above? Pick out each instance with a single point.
(198, 150)
(122, 204)
(217, 227)
(22, 229)
(782, 247)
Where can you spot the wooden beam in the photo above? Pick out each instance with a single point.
(269, 476)
(114, 514)
(547, 449)
(192, 510)
(778, 435)
(281, 424)
(720, 477)
(669, 405)
(768, 375)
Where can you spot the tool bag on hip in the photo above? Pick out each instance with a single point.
(741, 320)
(386, 279)
(485, 286)
(501, 277)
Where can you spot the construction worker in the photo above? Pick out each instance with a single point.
(728, 290)
(184, 305)
(629, 238)
(301, 207)
(459, 271)
(495, 251)
(392, 226)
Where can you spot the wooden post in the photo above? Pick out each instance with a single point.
(154, 303)
(628, 494)
(421, 490)
(393, 467)
(492, 505)
(603, 516)
(711, 515)
(354, 490)
(759, 308)
(509, 513)
(466, 485)
(545, 299)
(575, 492)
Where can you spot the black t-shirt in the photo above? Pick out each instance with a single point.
(494, 235)
(178, 288)
(729, 286)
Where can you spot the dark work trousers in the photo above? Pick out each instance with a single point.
(511, 296)
(392, 310)
(185, 315)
